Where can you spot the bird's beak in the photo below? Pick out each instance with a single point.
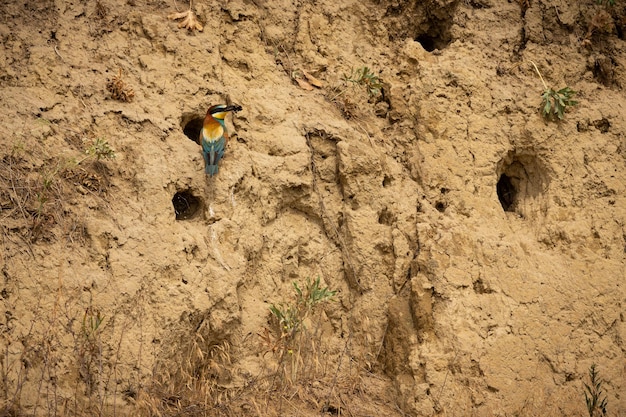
(234, 107)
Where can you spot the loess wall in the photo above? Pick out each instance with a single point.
(478, 251)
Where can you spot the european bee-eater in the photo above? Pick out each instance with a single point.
(213, 136)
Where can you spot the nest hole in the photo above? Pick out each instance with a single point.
(604, 70)
(507, 193)
(430, 43)
(186, 205)
(523, 181)
(192, 125)
(437, 32)
(422, 21)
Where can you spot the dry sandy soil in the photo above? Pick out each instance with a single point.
(477, 251)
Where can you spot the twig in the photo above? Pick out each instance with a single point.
(382, 342)
(557, 13)
(445, 378)
(365, 131)
(57, 52)
(346, 407)
(334, 383)
(20, 206)
(537, 69)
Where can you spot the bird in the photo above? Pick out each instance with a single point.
(214, 137)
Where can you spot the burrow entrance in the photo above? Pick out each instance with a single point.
(434, 33)
(192, 125)
(424, 22)
(522, 185)
(186, 205)
(507, 192)
(437, 39)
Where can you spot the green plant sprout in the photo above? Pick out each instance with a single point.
(364, 76)
(608, 2)
(596, 405)
(100, 149)
(360, 77)
(48, 181)
(553, 103)
(91, 323)
(291, 316)
(294, 340)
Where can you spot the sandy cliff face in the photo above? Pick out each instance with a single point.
(478, 251)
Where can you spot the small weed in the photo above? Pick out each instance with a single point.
(360, 77)
(291, 316)
(365, 77)
(596, 401)
(100, 149)
(553, 103)
(294, 341)
(18, 148)
(90, 348)
(607, 2)
(50, 186)
(91, 323)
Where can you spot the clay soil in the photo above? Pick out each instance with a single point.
(393, 149)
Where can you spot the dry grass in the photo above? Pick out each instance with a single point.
(191, 377)
(53, 356)
(35, 187)
(62, 360)
(195, 375)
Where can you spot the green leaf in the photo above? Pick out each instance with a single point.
(546, 109)
(554, 103)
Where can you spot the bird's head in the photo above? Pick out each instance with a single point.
(219, 110)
